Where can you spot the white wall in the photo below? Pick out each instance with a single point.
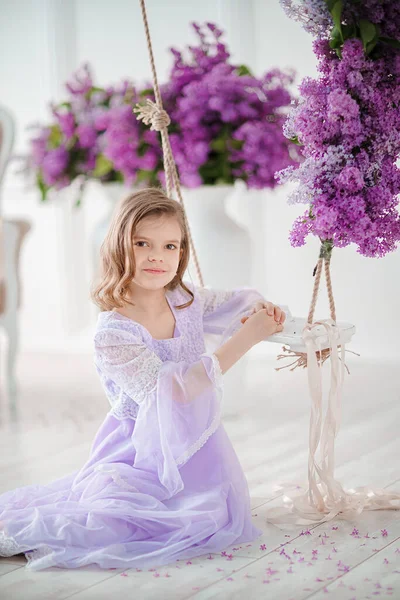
(45, 40)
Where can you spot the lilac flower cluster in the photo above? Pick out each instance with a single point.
(313, 15)
(347, 122)
(226, 123)
(385, 14)
(317, 19)
(94, 135)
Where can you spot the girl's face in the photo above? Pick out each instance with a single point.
(157, 249)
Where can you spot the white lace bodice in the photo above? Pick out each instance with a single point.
(128, 359)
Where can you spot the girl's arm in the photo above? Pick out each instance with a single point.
(232, 350)
(223, 309)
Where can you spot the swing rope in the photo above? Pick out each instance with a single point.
(324, 261)
(153, 113)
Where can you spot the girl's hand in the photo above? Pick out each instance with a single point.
(272, 310)
(260, 325)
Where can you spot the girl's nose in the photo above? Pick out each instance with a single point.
(155, 257)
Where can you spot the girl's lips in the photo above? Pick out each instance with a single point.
(157, 271)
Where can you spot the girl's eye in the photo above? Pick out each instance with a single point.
(169, 246)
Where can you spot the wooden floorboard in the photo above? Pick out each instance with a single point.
(61, 405)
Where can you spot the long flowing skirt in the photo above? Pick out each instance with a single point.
(116, 513)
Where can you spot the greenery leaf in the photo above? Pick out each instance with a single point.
(371, 46)
(103, 166)
(243, 70)
(42, 186)
(55, 137)
(142, 148)
(236, 144)
(143, 175)
(330, 4)
(295, 140)
(147, 92)
(391, 42)
(64, 105)
(218, 145)
(216, 170)
(93, 90)
(368, 32)
(336, 12)
(336, 38)
(349, 31)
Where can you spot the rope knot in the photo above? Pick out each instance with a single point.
(152, 114)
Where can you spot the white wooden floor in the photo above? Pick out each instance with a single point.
(61, 405)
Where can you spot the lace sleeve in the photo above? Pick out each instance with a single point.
(223, 309)
(179, 403)
(211, 300)
(128, 362)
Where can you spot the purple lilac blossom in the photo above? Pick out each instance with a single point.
(92, 123)
(348, 122)
(227, 123)
(313, 14)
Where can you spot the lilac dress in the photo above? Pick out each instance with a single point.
(162, 480)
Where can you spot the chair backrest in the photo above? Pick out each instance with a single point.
(7, 136)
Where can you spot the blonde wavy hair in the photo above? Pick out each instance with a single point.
(117, 260)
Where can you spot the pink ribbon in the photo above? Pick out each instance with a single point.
(325, 498)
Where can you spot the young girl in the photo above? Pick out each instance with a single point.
(162, 480)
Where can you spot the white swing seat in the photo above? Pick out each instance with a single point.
(292, 333)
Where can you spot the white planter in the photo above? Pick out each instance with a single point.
(112, 192)
(249, 208)
(222, 243)
(223, 247)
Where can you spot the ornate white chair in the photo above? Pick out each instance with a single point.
(12, 233)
